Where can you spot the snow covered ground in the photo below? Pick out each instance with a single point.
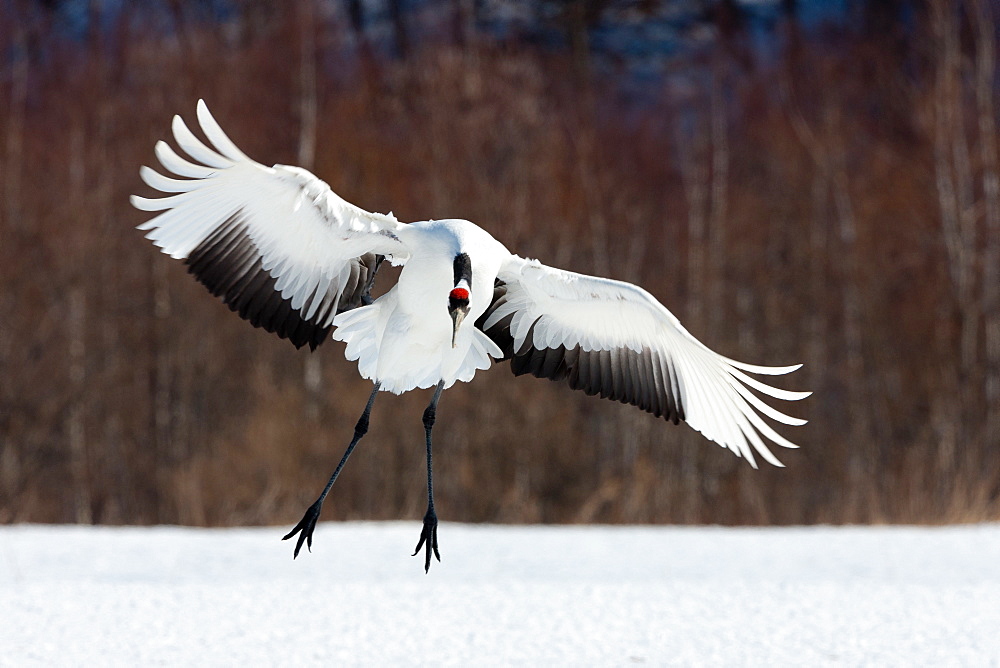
(502, 595)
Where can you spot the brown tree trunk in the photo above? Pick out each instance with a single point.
(14, 157)
(76, 322)
(306, 155)
(986, 54)
(955, 192)
(718, 206)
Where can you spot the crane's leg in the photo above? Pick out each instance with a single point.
(429, 535)
(308, 522)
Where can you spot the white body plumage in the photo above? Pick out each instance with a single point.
(404, 339)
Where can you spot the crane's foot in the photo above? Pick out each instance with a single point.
(429, 539)
(306, 526)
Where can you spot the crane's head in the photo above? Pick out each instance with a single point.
(458, 298)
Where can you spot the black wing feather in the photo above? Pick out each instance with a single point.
(637, 378)
(229, 265)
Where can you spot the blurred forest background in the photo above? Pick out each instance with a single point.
(798, 181)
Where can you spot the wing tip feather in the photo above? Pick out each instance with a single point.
(143, 204)
(762, 370)
(218, 137)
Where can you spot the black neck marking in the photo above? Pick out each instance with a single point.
(463, 269)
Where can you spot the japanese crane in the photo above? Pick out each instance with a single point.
(289, 255)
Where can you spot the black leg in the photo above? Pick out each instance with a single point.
(308, 522)
(429, 534)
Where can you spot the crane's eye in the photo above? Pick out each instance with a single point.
(459, 295)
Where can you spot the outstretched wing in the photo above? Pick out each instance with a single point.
(614, 339)
(275, 243)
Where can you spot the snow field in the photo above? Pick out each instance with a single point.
(502, 595)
